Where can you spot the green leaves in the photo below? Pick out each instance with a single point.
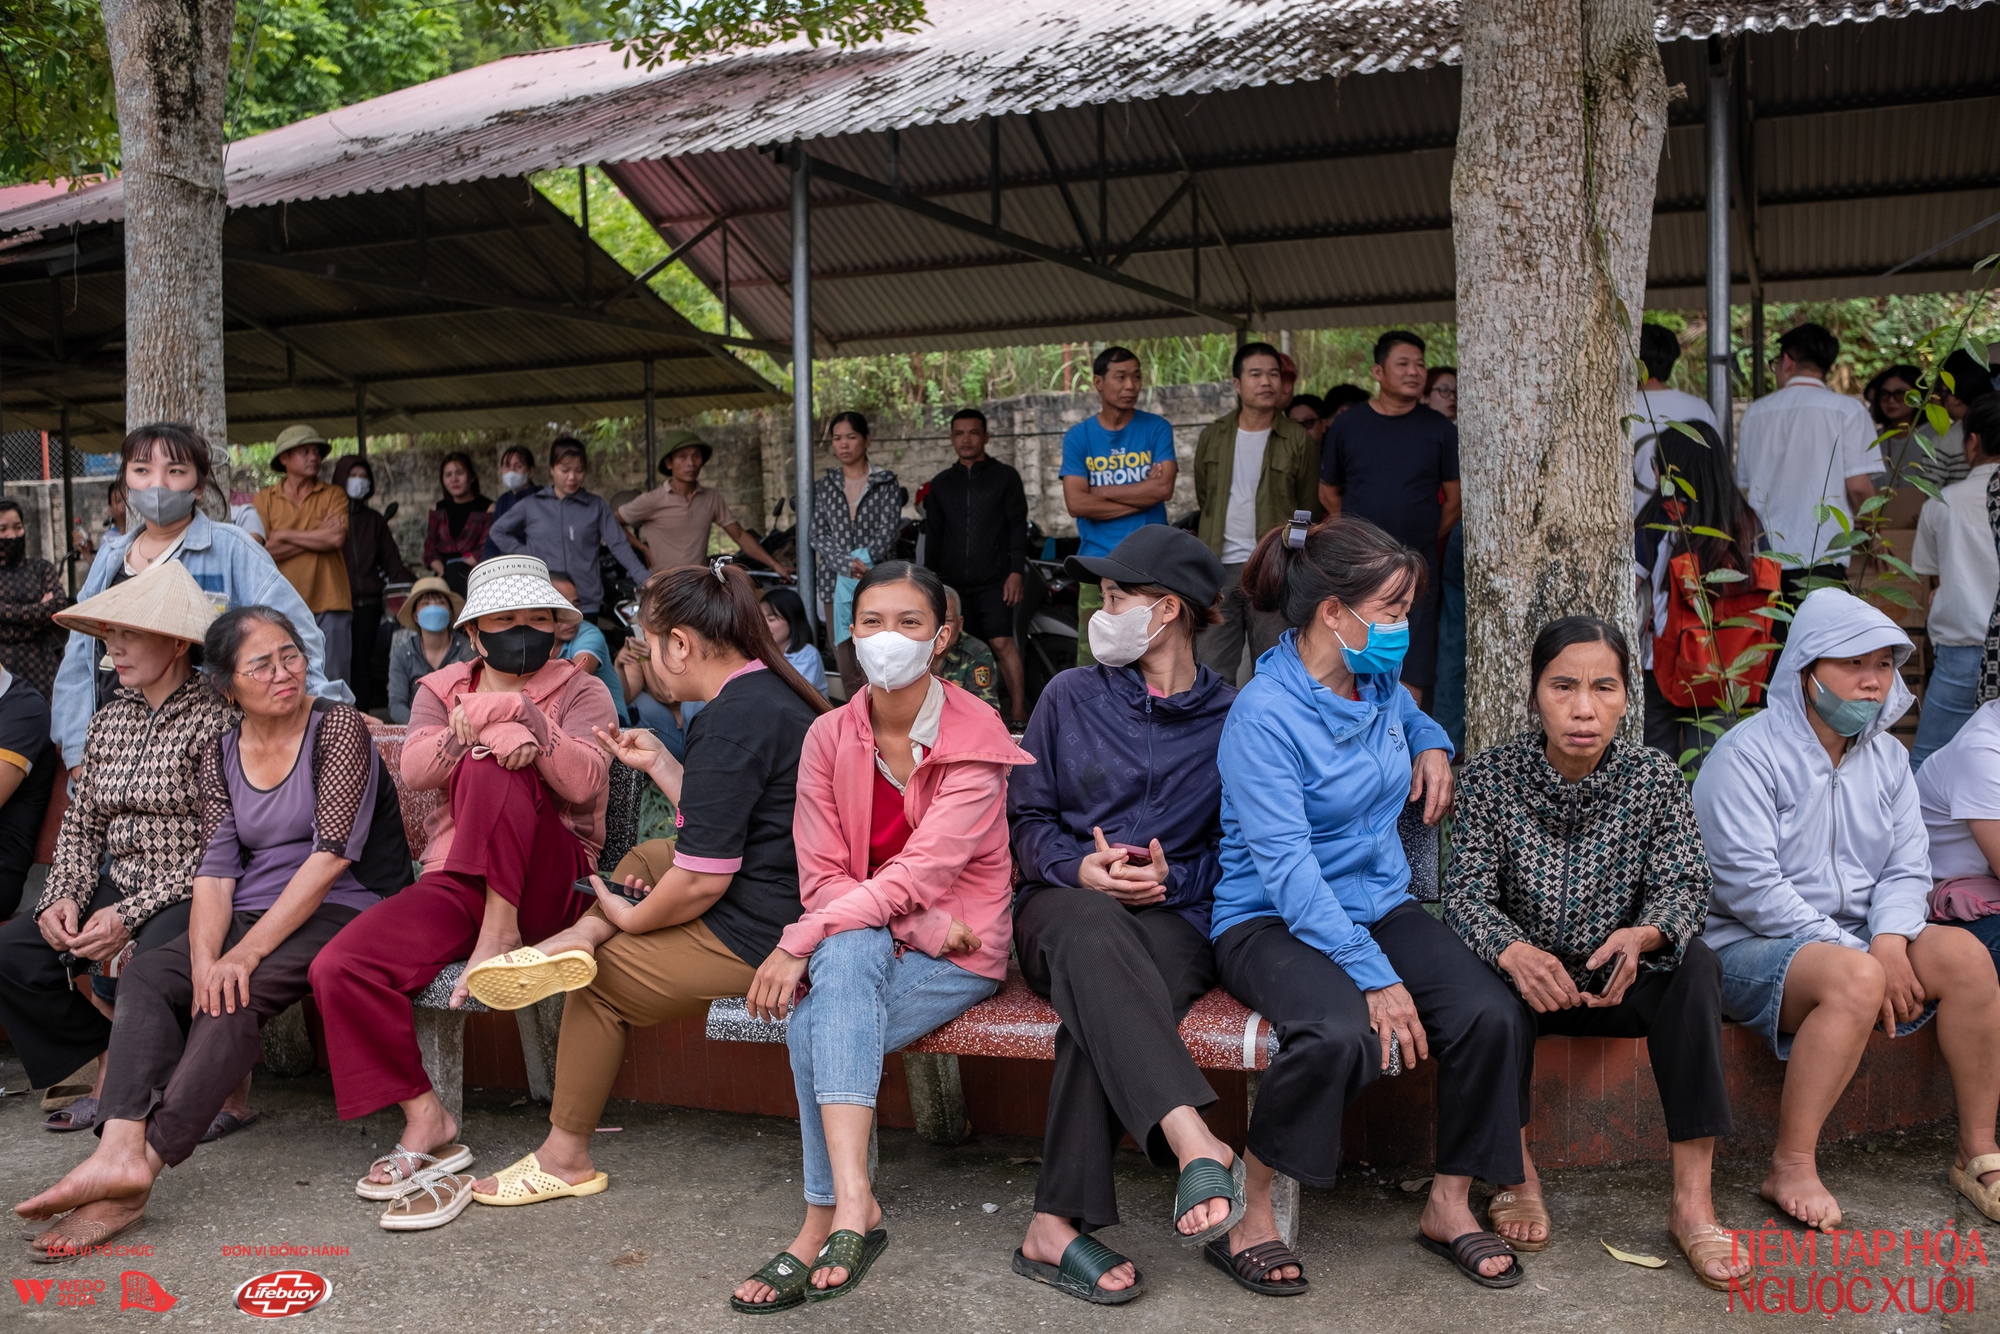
(653, 32)
(58, 119)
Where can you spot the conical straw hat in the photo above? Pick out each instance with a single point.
(164, 600)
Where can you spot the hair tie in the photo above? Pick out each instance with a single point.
(1295, 534)
(716, 567)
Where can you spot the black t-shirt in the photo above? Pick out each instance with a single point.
(1391, 469)
(742, 778)
(24, 744)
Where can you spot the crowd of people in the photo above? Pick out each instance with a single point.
(1164, 823)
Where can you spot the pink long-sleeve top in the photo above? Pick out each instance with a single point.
(955, 863)
(556, 709)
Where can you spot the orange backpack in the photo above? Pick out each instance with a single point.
(1688, 660)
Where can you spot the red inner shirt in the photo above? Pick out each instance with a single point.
(888, 831)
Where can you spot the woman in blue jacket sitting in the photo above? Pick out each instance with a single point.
(1314, 925)
(1115, 831)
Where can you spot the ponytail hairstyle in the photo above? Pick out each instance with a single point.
(717, 603)
(1345, 558)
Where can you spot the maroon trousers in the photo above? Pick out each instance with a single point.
(508, 838)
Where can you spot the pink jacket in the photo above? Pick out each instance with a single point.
(556, 710)
(956, 863)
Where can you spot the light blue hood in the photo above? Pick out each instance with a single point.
(1800, 848)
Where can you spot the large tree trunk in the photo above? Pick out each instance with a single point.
(170, 66)
(1562, 117)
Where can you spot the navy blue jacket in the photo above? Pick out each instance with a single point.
(1139, 766)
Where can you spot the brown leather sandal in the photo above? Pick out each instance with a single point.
(1513, 1207)
(1704, 1244)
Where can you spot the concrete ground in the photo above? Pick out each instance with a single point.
(699, 1199)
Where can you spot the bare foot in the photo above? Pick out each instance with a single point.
(1524, 1230)
(1794, 1186)
(1448, 1222)
(99, 1177)
(1211, 1211)
(818, 1226)
(1049, 1236)
(568, 939)
(862, 1216)
(111, 1215)
(427, 1127)
(237, 1103)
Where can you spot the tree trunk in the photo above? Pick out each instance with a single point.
(1562, 117)
(170, 66)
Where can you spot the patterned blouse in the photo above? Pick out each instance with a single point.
(138, 801)
(1562, 865)
(31, 643)
(441, 544)
(835, 535)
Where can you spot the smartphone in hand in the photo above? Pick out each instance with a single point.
(1134, 856)
(589, 891)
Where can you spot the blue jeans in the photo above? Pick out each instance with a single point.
(1987, 929)
(866, 1001)
(1949, 699)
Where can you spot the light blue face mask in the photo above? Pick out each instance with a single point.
(1383, 654)
(435, 617)
(1847, 717)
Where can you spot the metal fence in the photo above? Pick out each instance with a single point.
(36, 456)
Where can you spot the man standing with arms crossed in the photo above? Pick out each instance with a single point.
(976, 538)
(305, 529)
(1118, 469)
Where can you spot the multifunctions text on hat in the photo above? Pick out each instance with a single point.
(513, 583)
(675, 441)
(1173, 558)
(291, 438)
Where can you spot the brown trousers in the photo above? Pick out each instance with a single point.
(672, 973)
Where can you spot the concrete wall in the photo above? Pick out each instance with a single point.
(42, 512)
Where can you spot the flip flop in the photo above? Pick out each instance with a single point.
(72, 1239)
(1203, 1180)
(1084, 1261)
(519, 978)
(786, 1275)
(227, 1123)
(1513, 1207)
(1705, 1243)
(79, 1115)
(1965, 1180)
(526, 1183)
(448, 1158)
(1251, 1267)
(847, 1250)
(1470, 1250)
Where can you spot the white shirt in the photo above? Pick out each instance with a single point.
(1955, 543)
(1796, 447)
(1652, 409)
(1239, 525)
(1962, 782)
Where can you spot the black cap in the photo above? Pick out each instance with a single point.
(1173, 558)
(1969, 379)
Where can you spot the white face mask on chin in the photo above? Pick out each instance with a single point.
(892, 660)
(1120, 640)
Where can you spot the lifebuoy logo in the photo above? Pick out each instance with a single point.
(286, 1292)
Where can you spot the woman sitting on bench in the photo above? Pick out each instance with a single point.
(691, 917)
(1577, 871)
(1314, 924)
(509, 736)
(1116, 830)
(903, 868)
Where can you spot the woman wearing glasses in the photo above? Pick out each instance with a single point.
(300, 831)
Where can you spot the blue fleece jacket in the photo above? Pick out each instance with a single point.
(1137, 765)
(1312, 785)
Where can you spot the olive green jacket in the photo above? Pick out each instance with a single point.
(1290, 480)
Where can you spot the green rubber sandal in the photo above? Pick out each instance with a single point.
(1202, 1180)
(785, 1274)
(847, 1250)
(1084, 1261)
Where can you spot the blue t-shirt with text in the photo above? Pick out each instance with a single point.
(1116, 458)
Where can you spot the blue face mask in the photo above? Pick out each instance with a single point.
(435, 618)
(1847, 717)
(1383, 654)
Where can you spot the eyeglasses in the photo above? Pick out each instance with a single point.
(288, 662)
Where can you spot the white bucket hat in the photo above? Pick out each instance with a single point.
(513, 583)
(164, 599)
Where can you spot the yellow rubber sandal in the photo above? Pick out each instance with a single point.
(526, 1183)
(519, 978)
(1966, 1181)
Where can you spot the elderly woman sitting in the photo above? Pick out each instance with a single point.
(1577, 872)
(119, 882)
(301, 832)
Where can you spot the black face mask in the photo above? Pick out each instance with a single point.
(519, 650)
(13, 550)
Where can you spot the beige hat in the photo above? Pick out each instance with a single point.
(512, 583)
(291, 438)
(429, 584)
(164, 600)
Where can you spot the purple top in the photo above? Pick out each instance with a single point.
(260, 837)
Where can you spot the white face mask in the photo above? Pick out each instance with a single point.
(1122, 639)
(358, 487)
(892, 660)
(513, 481)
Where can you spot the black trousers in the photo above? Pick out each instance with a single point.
(173, 1072)
(1122, 980)
(361, 676)
(1477, 1031)
(1679, 1013)
(51, 1023)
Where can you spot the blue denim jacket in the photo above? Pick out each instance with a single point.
(233, 568)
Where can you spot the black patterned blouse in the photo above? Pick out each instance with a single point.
(836, 533)
(31, 643)
(1562, 865)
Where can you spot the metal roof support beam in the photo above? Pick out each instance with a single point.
(1718, 238)
(848, 180)
(1159, 216)
(360, 390)
(801, 165)
(1746, 204)
(497, 405)
(1214, 223)
(654, 270)
(1061, 183)
(652, 440)
(239, 380)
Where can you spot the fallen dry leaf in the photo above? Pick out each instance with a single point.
(1016, 1162)
(1414, 1186)
(629, 1258)
(1643, 1261)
